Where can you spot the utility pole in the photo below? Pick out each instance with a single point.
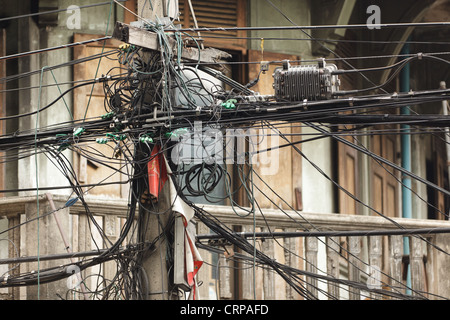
(169, 260)
(155, 216)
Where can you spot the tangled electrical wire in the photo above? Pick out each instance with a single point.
(155, 99)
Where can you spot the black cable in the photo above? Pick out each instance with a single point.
(56, 11)
(349, 233)
(61, 65)
(54, 101)
(306, 27)
(63, 46)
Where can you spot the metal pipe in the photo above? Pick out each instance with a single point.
(406, 158)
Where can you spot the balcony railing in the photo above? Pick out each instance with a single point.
(330, 255)
(340, 256)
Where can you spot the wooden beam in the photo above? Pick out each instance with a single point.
(149, 40)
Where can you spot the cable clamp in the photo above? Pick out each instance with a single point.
(350, 101)
(103, 78)
(219, 242)
(305, 104)
(264, 66)
(321, 63)
(420, 55)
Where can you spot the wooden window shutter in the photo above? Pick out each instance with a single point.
(89, 102)
(217, 13)
(289, 161)
(385, 180)
(131, 5)
(348, 160)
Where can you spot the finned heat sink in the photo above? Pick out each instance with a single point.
(305, 82)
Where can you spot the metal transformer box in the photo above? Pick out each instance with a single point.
(305, 82)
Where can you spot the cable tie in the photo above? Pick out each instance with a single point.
(109, 115)
(119, 137)
(146, 138)
(126, 47)
(176, 133)
(101, 140)
(229, 104)
(78, 131)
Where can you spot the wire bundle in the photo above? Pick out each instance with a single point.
(153, 95)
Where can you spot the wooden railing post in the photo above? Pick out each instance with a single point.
(333, 265)
(395, 261)
(417, 266)
(268, 274)
(291, 259)
(311, 250)
(375, 264)
(225, 272)
(246, 280)
(354, 272)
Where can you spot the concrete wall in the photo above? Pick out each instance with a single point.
(94, 20)
(27, 34)
(261, 13)
(317, 190)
